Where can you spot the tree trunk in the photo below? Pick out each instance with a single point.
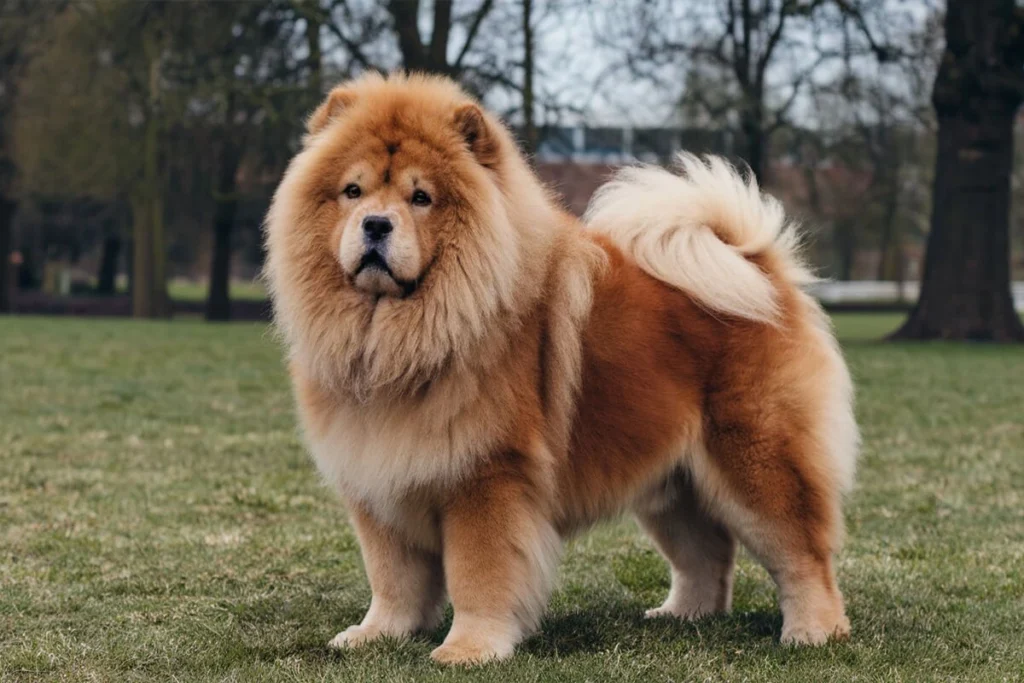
(7, 210)
(142, 257)
(888, 236)
(149, 290)
(218, 302)
(846, 248)
(965, 289)
(754, 138)
(129, 266)
(529, 124)
(149, 271)
(429, 57)
(406, 17)
(314, 61)
(110, 255)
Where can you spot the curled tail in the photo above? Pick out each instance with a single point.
(698, 231)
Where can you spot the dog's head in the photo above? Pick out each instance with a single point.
(394, 240)
(402, 168)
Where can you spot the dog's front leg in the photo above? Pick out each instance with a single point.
(500, 553)
(407, 584)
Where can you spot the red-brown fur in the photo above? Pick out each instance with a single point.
(708, 427)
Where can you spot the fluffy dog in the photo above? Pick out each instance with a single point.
(481, 376)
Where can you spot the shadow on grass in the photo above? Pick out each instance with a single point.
(277, 627)
(623, 627)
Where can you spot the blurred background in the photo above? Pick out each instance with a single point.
(141, 141)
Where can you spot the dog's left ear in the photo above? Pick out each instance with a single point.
(472, 125)
(338, 99)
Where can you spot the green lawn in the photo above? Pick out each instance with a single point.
(160, 521)
(241, 290)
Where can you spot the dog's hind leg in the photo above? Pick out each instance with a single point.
(700, 551)
(787, 513)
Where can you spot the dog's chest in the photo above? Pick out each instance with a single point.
(387, 458)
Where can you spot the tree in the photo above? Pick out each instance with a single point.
(746, 63)
(433, 56)
(133, 44)
(246, 67)
(469, 41)
(736, 43)
(19, 28)
(78, 132)
(530, 138)
(965, 289)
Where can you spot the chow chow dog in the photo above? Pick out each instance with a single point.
(481, 375)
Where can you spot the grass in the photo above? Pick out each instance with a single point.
(179, 289)
(190, 290)
(160, 521)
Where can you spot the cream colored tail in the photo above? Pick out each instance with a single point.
(696, 231)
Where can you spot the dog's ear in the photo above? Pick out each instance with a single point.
(472, 125)
(338, 99)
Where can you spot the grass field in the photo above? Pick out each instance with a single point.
(241, 290)
(160, 521)
(179, 289)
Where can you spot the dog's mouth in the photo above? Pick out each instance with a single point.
(374, 276)
(372, 260)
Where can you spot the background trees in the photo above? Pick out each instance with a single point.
(160, 128)
(21, 23)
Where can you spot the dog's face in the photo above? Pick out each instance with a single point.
(395, 179)
(391, 214)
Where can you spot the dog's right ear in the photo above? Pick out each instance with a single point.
(338, 99)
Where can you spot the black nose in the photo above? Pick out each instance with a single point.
(376, 228)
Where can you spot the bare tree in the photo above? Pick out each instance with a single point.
(739, 42)
(432, 55)
(756, 57)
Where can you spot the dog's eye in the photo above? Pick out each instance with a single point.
(420, 198)
(352, 191)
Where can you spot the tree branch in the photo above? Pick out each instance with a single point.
(474, 28)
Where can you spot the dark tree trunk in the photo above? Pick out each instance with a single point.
(110, 256)
(846, 248)
(129, 265)
(218, 302)
(315, 58)
(142, 260)
(529, 124)
(887, 239)
(965, 289)
(7, 210)
(149, 260)
(753, 148)
(432, 56)
(753, 130)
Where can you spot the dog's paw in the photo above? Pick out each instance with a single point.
(810, 634)
(469, 651)
(686, 612)
(354, 636)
